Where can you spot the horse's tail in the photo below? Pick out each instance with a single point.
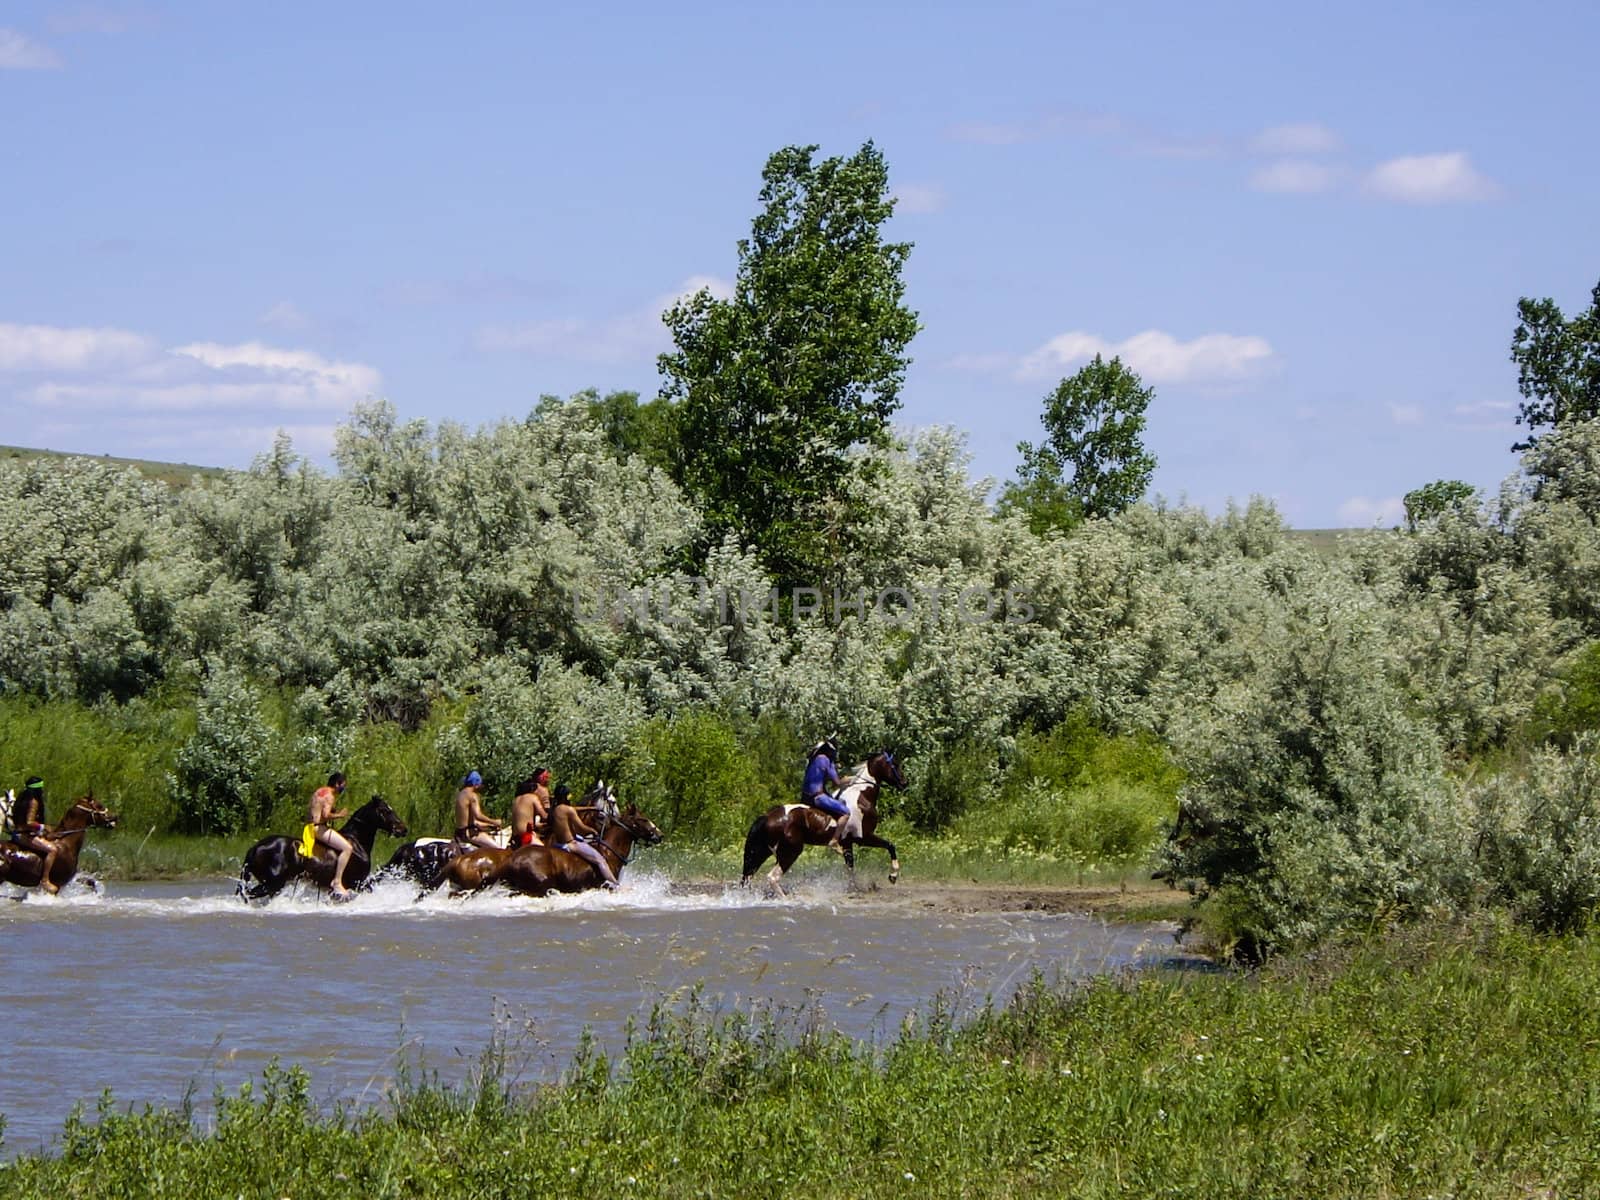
(756, 847)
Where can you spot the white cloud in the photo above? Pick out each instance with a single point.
(1295, 176)
(20, 53)
(1158, 357)
(1301, 139)
(52, 348)
(1360, 512)
(285, 315)
(629, 337)
(919, 198)
(1430, 179)
(1406, 414)
(112, 391)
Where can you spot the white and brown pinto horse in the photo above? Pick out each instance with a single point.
(786, 829)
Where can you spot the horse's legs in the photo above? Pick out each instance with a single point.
(872, 839)
(786, 854)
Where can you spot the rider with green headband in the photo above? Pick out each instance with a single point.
(28, 829)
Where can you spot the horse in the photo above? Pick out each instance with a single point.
(423, 860)
(540, 870)
(25, 868)
(786, 829)
(276, 861)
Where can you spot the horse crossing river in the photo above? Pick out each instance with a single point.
(151, 989)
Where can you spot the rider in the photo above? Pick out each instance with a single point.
(472, 823)
(565, 825)
(324, 810)
(531, 809)
(820, 771)
(28, 830)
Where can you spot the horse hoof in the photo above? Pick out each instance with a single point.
(894, 872)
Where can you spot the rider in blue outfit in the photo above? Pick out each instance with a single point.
(820, 772)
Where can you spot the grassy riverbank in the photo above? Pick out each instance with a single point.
(1438, 1062)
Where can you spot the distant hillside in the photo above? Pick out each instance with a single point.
(1326, 541)
(173, 474)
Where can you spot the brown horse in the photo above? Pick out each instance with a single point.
(275, 861)
(786, 829)
(540, 870)
(26, 868)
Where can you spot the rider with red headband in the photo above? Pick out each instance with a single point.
(530, 811)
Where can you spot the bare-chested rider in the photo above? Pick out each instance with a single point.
(323, 811)
(530, 811)
(473, 825)
(566, 824)
(28, 830)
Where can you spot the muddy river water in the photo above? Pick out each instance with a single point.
(151, 989)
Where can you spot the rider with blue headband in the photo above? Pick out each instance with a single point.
(820, 771)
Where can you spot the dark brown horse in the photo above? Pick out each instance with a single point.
(540, 870)
(786, 829)
(26, 869)
(275, 862)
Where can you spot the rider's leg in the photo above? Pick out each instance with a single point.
(584, 850)
(341, 846)
(837, 809)
(47, 850)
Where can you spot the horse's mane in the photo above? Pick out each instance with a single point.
(858, 780)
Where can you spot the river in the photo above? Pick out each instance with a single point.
(153, 989)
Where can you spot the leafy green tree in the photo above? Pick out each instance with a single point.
(1433, 500)
(1558, 365)
(648, 431)
(779, 384)
(1092, 462)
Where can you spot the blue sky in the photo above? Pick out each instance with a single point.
(1306, 228)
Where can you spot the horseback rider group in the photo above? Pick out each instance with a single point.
(538, 818)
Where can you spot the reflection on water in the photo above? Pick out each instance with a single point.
(151, 988)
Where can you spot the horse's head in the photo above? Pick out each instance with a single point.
(883, 768)
(640, 826)
(603, 797)
(388, 820)
(91, 813)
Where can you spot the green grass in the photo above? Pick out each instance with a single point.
(126, 855)
(1443, 1062)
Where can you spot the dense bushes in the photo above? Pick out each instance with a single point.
(526, 594)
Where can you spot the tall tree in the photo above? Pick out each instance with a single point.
(1558, 365)
(777, 385)
(1092, 462)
